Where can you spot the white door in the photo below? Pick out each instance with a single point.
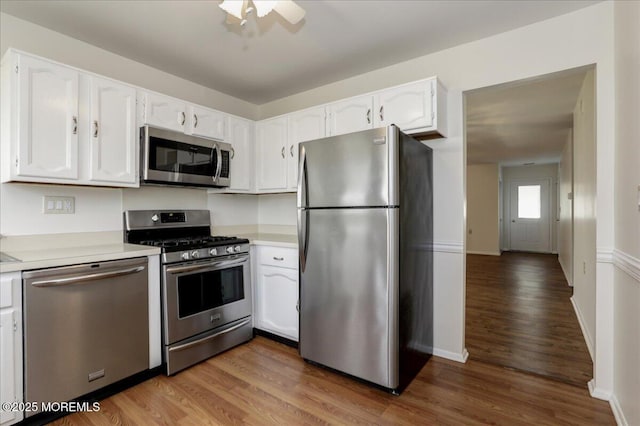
(278, 298)
(165, 112)
(530, 211)
(112, 139)
(271, 154)
(351, 115)
(48, 120)
(241, 138)
(8, 366)
(408, 107)
(207, 123)
(304, 126)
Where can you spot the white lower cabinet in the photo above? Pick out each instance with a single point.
(10, 346)
(276, 291)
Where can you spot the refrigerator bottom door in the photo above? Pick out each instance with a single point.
(348, 292)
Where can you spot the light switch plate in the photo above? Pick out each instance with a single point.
(58, 205)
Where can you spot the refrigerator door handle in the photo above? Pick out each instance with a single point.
(303, 226)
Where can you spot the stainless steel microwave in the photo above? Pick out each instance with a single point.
(173, 158)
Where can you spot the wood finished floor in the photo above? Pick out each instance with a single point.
(518, 314)
(265, 382)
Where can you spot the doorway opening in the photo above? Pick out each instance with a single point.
(530, 149)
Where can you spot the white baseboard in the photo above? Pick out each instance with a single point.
(454, 356)
(583, 327)
(566, 275)
(484, 253)
(598, 393)
(617, 411)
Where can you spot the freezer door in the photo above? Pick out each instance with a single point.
(356, 169)
(349, 291)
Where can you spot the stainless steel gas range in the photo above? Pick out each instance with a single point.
(206, 284)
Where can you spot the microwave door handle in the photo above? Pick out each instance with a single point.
(216, 148)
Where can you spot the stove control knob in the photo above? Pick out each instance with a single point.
(154, 218)
(237, 249)
(185, 256)
(229, 249)
(213, 252)
(195, 254)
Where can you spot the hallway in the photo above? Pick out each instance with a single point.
(518, 315)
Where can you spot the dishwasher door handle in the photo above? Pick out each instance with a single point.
(87, 277)
(206, 339)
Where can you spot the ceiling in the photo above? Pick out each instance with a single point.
(269, 59)
(524, 121)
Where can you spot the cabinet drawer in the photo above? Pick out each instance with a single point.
(276, 256)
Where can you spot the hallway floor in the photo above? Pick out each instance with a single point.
(518, 315)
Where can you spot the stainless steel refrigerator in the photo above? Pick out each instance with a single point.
(365, 233)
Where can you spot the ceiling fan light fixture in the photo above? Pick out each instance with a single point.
(233, 7)
(263, 7)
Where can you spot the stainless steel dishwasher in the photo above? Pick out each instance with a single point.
(85, 326)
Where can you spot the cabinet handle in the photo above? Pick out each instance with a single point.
(184, 118)
(282, 152)
(279, 259)
(74, 127)
(291, 151)
(369, 116)
(233, 153)
(95, 128)
(382, 113)
(195, 121)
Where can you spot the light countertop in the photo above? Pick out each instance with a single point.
(69, 249)
(269, 239)
(51, 257)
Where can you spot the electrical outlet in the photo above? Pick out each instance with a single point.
(58, 205)
(584, 267)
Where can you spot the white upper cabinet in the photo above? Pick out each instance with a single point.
(61, 125)
(112, 132)
(271, 155)
(206, 122)
(165, 112)
(304, 126)
(46, 109)
(350, 115)
(408, 106)
(242, 165)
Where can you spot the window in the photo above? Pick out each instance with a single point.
(529, 202)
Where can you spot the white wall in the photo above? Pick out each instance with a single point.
(584, 210)
(233, 209)
(542, 171)
(96, 209)
(483, 217)
(626, 255)
(277, 209)
(565, 224)
(576, 39)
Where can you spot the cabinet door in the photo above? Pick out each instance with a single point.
(207, 123)
(408, 107)
(351, 115)
(8, 366)
(304, 126)
(278, 299)
(47, 120)
(161, 111)
(112, 130)
(241, 139)
(271, 154)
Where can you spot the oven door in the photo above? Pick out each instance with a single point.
(200, 296)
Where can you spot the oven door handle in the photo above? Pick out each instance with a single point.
(206, 339)
(212, 265)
